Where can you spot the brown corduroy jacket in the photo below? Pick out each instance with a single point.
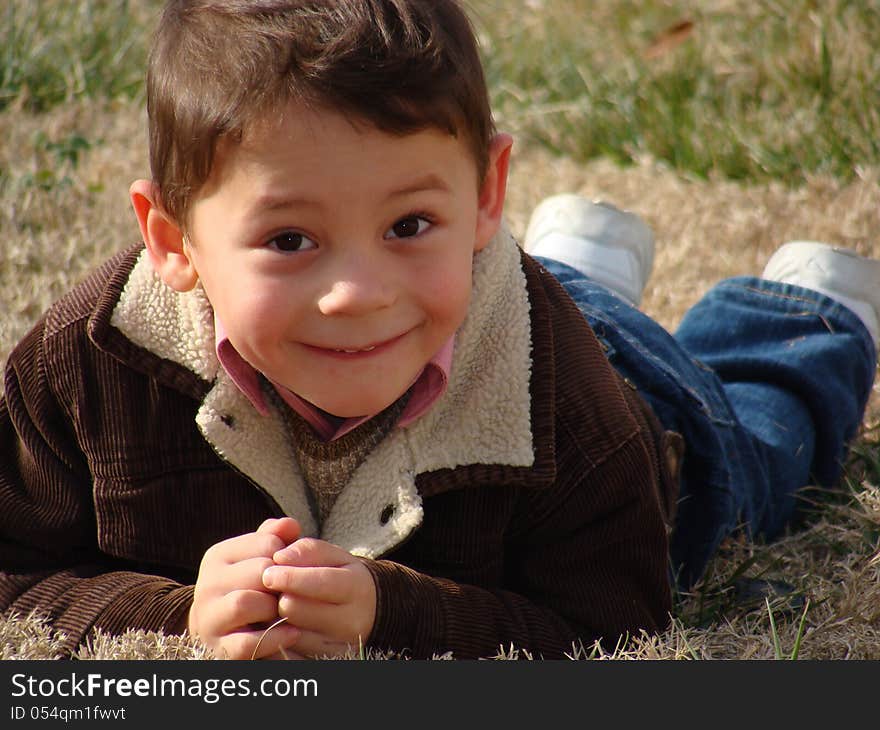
(529, 508)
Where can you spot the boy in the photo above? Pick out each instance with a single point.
(329, 401)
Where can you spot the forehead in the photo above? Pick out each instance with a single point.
(320, 141)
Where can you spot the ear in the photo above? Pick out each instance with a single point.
(163, 238)
(493, 190)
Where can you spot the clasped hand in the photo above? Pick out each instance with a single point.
(324, 594)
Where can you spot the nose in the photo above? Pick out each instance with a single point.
(357, 285)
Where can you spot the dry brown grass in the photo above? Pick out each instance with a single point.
(49, 238)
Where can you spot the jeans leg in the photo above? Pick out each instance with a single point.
(797, 369)
(760, 410)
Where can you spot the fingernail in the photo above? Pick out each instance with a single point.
(269, 576)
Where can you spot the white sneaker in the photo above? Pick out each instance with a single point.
(839, 273)
(612, 246)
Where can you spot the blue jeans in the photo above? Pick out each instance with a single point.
(766, 382)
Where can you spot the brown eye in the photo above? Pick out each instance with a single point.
(291, 241)
(408, 227)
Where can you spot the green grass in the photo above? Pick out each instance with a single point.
(55, 51)
(760, 90)
(770, 89)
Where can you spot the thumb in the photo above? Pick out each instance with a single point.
(285, 529)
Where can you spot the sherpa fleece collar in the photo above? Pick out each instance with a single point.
(483, 418)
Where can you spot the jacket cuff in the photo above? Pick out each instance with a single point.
(409, 618)
(159, 605)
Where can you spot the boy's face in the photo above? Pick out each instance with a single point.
(338, 257)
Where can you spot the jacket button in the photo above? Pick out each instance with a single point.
(386, 514)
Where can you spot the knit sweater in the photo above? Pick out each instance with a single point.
(529, 507)
(327, 466)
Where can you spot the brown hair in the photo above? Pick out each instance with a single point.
(217, 66)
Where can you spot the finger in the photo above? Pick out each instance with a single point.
(285, 529)
(309, 552)
(240, 610)
(337, 623)
(236, 611)
(330, 585)
(285, 655)
(258, 643)
(318, 646)
(307, 614)
(244, 575)
(242, 547)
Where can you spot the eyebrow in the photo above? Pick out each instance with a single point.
(428, 183)
(279, 202)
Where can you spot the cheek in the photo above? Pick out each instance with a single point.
(250, 312)
(446, 295)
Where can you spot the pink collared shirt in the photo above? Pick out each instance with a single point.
(427, 388)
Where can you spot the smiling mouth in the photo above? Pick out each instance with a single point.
(352, 352)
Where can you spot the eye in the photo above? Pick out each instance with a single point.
(290, 241)
(412, 225)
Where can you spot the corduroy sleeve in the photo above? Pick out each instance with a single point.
(50, 560)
